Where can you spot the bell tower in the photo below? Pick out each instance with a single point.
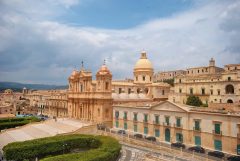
(103, 109)
(104, 79)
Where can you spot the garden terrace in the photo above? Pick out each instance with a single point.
(89, 147)
(7, 123)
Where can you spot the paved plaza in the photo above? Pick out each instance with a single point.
(40, 130)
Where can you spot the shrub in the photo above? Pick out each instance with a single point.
(14, 122)
(194, 101)
(108, 151)
(107, 148)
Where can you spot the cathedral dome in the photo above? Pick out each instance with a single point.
(143, 62)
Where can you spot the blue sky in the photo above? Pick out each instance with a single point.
(115, 14)
(43, 41)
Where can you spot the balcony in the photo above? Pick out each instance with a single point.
(197, 129)
(166, 124)
(217, 132)
(156, 122)
(135, 120)
(145, 121)
(125, 118)
(116, 118)
(178, 126)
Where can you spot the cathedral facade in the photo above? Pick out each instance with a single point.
(92, 100)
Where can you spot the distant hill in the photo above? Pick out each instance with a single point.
(19, 86)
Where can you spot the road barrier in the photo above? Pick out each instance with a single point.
(159, 147)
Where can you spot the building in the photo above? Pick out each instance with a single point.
(211, 84)
(170, 122)
(142, 87)
(92, 100)
(56, 105)
(168, 75)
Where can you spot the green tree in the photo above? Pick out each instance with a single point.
(194, 101)
(169, 81)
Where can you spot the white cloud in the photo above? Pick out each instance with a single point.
(30, 46)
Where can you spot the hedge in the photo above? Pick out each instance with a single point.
(13, 122)
(51, 148)
(11, 119)
(109, 150)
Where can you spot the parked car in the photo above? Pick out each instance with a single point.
(178, 145)
(151, 138)
(140, 136)
(234, 158)
(217, 154)
(197, 149)
(101, 127)
(121, 132)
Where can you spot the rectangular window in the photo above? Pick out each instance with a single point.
(191, 91)
(135, 128)
(125, 126)
(163, 92)
(178, 122)
(117, 114)
(120, 90)
(197, 140)
(211, 91)
(219, 92)
(180, 90)
(203, 91)
(217, 128)
(179, 137)
(125, 116)
(145, 130)
(167, 120)
(135, 117)
(156, 119)
(129, 90)
(218, 145)
(145, 118)
(157, 133)
(117, 124)
(197, 125)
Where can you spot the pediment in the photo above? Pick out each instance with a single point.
(169, 106)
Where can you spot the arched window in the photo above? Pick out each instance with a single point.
(229, 101)
(229, 89)
(138, 90)
(146, 90)
(81, 87)
(143, 78)
(106, 86)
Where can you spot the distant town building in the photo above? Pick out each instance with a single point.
(170, 122)
(211, 84)
(162, 76)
